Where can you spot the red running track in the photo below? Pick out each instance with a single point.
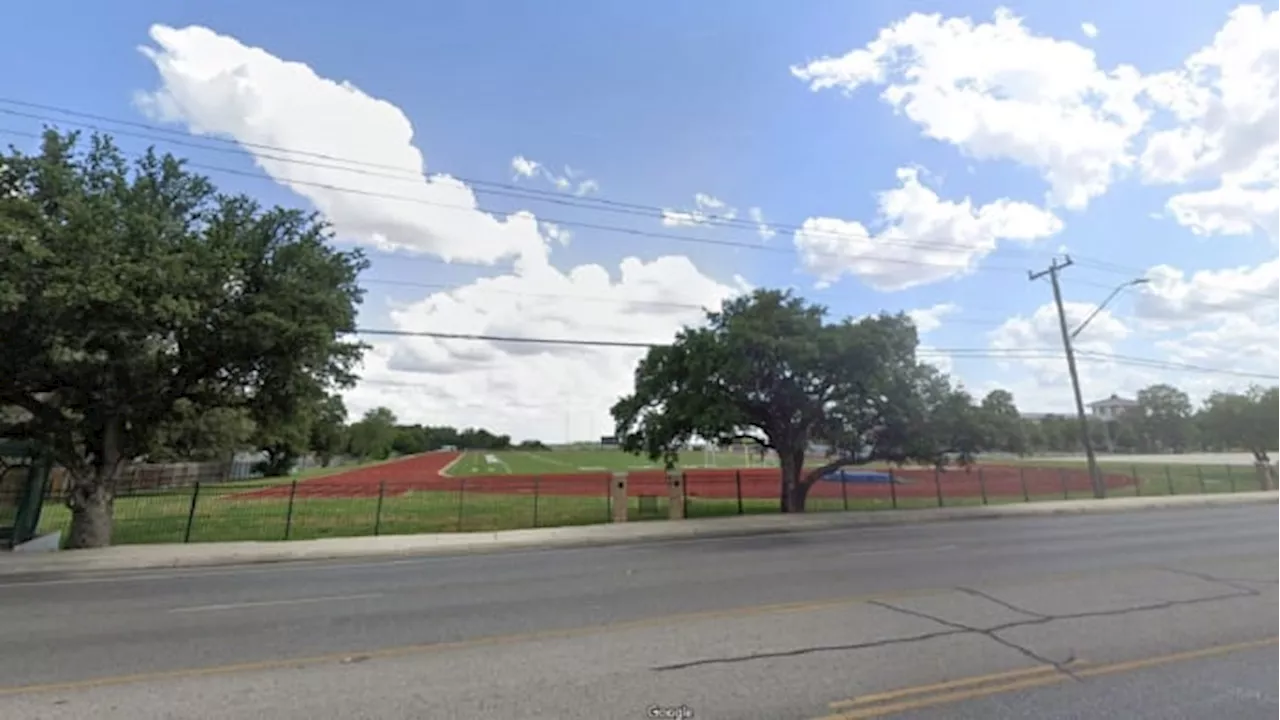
(423, 472)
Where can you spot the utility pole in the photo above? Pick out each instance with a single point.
(1095, 477)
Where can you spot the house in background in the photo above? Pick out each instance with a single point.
(1111, 408)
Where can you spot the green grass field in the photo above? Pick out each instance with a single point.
(221, 513)
(557, 462)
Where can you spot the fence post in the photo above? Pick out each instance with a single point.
(893, 490)
(737, 481)
(937, 483)
(537, 482)
(1137, 481)
(191, 512)
(1231, 480)
(288, 513)
(1168, 478)
(1200, 477)
(1062, 480)
(844, 494)
(1022, 480)
(377, 513)
(462, 499)
(618, 503)
(982, 485)
(675, 495)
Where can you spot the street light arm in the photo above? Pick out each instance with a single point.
(1102, 305)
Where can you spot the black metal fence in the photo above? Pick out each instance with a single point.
(302, 509)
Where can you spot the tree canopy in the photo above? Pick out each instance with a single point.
(137, 301)
(769, 369)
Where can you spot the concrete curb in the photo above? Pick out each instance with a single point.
(143, 557)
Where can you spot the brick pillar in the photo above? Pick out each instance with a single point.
(618, 497)
(675, 496)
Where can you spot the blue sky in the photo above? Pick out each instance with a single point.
(660, 101)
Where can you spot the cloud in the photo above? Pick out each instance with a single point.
(930, 318)
(1228, 318)
(763, 229)
(1034, 366)
(1089, 29)
(1213, 319)
(523, 167)
(215, 85)
(1225, 106)
(218, 86)
(999, 92)
(925, 239)
(706, 210)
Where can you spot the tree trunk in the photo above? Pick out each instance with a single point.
(91, 514)
(93, 492)
(1262, 465)
(794, 490)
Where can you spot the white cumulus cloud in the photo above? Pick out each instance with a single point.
(214, 84)
(706, 210)
(924, 239)
(1225, 104)
(998, 91)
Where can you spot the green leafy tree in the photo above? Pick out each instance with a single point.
(1004, 426)
(194, 433)
(767, 369)
(373, 436)
(1164, 418)
(1248, 421)
(132, 293)
(329, 436)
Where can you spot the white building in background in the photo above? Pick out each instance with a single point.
(1111, 408)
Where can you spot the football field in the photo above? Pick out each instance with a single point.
(520, 462)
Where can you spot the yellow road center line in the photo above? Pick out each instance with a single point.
(947, 698)
(1034, 680)
(948, 685)
(423, 648)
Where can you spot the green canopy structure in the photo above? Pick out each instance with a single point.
(24, 480)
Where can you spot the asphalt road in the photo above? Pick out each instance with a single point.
(794, 626)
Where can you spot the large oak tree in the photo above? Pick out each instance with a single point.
(134, 296)
(769, 369)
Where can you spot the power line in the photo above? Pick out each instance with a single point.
(957, 352)
(583, 342)
(1170, 365)
(574, 297)
(238, 147)
(579, 223)
(233, 146)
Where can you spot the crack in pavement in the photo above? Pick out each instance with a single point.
(1002, 603)
(806, 651)
(991, 633)
(1228, 582)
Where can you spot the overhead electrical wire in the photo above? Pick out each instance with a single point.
(237, 147)
(578, 223)
(228, 145)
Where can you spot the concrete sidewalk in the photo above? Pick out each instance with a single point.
(139, 557)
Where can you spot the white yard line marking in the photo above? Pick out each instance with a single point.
(273, 603)
(447, 470)
(548, 460)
